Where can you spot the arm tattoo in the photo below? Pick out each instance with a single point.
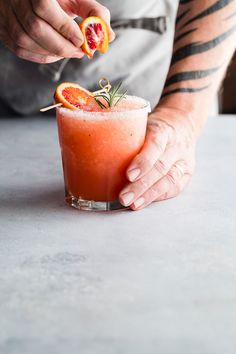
(210, 10)
(185, 90)
(178, 38)
(183, 2)
(194, 27)
(197, 48)
(190, 75)
(179, 18)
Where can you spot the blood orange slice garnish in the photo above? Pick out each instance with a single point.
(73, 96)
(95, 34)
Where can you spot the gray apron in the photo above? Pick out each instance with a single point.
(139, 56)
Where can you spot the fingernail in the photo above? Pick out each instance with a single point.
(139, 202)
(127, 198)
(133, 174)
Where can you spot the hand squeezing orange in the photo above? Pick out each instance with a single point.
(95, 33)
(73, 96)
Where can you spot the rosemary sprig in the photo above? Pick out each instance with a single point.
(121, 97)
(110, 95)
(100, 103)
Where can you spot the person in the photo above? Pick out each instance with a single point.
(174, 53)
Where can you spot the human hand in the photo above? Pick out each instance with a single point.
(44, 31)
(166, 162)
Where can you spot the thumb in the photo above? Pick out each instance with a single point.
(86, 8)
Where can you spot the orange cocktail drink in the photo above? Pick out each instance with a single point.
(97, 147)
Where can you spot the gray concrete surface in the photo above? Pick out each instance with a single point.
(162, 280)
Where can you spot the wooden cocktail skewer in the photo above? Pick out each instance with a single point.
(51, 107)
(104, 89)
(105, 85)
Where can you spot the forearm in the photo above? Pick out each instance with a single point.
(205, 41)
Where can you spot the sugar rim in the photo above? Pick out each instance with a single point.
(79, 113)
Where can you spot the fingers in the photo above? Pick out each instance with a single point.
(85, 8)
(168, 187)
(154, 174)
(160, 169)
(46, 29)
(44, 34)
(154, 147)
(22, 45)
(172, 192)
(51, 12)
(34, 57)
(28, 55)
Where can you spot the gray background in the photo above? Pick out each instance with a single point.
(162, 280)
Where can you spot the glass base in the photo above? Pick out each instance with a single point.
(91, 205)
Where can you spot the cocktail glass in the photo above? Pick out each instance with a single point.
(97, 148)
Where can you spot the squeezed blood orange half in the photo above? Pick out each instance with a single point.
(95, 33)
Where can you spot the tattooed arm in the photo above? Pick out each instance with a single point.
(205, 39)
